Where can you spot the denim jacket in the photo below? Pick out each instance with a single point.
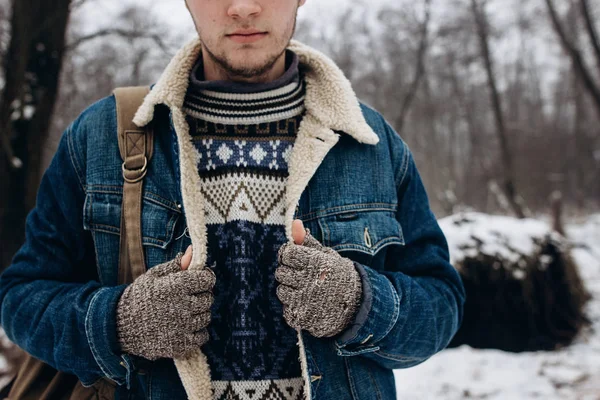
(354, 184)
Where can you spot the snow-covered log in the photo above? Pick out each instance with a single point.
(524, 292)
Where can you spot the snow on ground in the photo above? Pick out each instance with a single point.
(572, 373)
(507, 238)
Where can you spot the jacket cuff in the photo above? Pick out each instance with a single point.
(101, 331)
(376, 316)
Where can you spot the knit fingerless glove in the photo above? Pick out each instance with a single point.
(165, 312)
(320, 290)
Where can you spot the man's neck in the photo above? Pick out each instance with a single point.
(199, 83)
(214, 72)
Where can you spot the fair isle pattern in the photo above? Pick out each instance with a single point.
(271, 154)
(244, 142)
(262, 131)
(246, 108)
(249, 339)
(276, 389)
(244, 195)
(243, 169)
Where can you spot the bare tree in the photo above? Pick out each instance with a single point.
(32, 68)
(419, 67)
(591, 29)
(453, 123)
(424, 75)
(94, 67)
(576, 56)
(509, 188)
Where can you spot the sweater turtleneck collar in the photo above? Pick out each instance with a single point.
(291, 74)
(228, 103)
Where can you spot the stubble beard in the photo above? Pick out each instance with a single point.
(245, 72)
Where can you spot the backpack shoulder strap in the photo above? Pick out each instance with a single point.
(136, 146)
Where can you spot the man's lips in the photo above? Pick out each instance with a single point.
(247, 36)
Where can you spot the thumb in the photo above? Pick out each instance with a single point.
(186, 260)
(298, 232)
(302, 236)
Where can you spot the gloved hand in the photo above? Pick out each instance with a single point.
(320, 290)
(165, 311)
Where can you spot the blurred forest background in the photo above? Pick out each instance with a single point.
(498, 99)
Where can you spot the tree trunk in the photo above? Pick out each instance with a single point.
(571, 49)
(33, 64)
(591, 29)
(508, 185)
(419, 70)
(579, 147)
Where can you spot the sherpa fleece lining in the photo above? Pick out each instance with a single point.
(330, 103)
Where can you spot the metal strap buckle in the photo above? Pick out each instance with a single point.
(138, 174)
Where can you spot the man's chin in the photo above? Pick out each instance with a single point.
(244, 69)
(245, 63)
(247, 75)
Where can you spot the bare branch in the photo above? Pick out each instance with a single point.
(77, 4)
(575, 55)
(419, 70)
(127, 34)
(585, 11)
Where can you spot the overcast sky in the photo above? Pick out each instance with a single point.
(175, 9)
(175, 13)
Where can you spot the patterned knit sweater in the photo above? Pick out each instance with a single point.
(244, 134)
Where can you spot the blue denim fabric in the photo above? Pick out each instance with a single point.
(59, 295)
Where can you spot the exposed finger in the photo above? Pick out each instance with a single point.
(186, 260)
(298, 231)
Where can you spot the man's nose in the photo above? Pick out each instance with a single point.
(244, 9)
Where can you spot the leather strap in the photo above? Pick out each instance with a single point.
(136, 147)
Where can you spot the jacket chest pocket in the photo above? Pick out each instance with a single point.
(362, 234)
(102, 216)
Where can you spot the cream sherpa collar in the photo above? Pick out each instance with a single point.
(331, 105)
(330, 98)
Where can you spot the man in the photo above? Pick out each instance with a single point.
(317, 266)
